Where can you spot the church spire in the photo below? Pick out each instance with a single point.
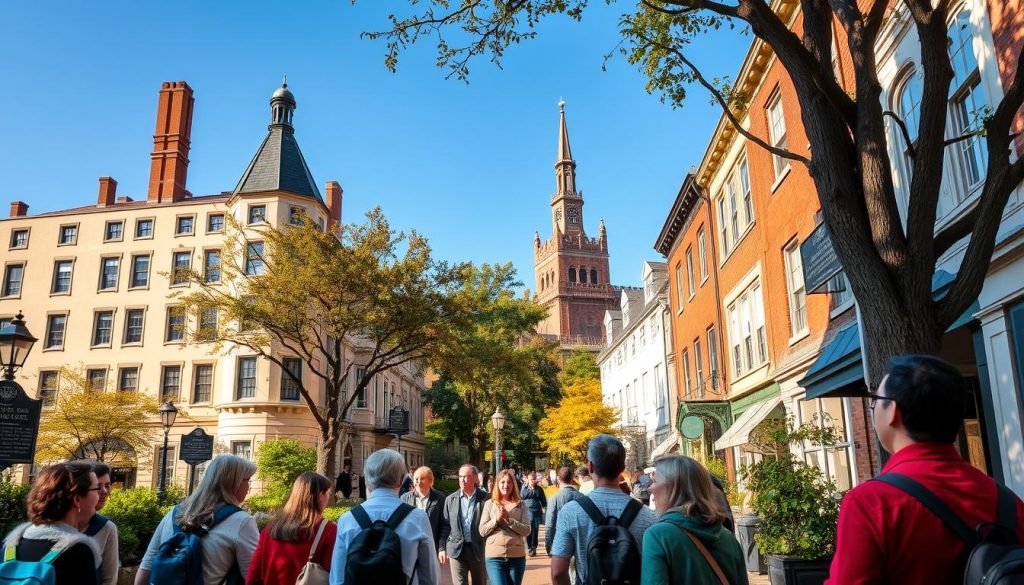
(565, 166)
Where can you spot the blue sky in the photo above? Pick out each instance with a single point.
(470, 166)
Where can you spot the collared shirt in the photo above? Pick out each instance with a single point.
(418, 552)
(886, 536)
(466, 504)
(572, 529)
(422, 501)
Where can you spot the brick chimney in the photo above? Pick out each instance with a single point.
(334, 193)
(171, 143)
(19, 209)
(108, 192)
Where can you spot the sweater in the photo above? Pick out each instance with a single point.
(277, 562)
(535, 499)
(504, 540)
(670, 558)
(107, 539)
(78, 564)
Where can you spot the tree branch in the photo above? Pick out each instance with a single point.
(903, 130)
(725, 106)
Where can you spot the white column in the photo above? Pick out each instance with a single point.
(1005, 396)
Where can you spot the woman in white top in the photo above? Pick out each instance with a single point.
(230, 544)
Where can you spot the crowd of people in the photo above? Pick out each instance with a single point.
(669, 524)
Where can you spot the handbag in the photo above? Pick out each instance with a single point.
(707, 556)
(312, 572)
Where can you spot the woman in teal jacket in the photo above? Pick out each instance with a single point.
(684, 496)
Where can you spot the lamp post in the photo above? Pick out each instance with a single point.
(168, 413)
(498, 420)
(15, 344)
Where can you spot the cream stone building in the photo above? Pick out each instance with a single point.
(94, 283)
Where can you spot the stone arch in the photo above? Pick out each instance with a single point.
(593, 276)
(572, 274)
(583, 274)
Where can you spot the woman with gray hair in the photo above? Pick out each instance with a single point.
(688, 545)
(229, 544)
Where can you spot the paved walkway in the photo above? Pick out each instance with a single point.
(538, 570)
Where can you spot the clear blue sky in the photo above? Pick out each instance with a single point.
(470, 166)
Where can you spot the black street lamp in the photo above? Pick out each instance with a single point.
(498, 420)
(168, 413)
(15, 344)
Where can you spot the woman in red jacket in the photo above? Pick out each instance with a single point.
(298, 535)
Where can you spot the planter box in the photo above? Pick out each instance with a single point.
(797, 571)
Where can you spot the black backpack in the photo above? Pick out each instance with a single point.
(613, 558)
(996, 557)
(375, 554)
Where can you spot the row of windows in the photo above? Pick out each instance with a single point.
(184, 225)
(627, 402)
(139, 274)
(702, 260)
(134, 325)
(711, 379)
(628, 346)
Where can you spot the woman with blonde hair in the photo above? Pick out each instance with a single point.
(229, 534)
(688, 544)
(505, 524)
(297, 537)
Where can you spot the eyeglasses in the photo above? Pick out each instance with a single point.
(875, 397)
(95, 489)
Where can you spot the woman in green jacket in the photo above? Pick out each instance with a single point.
(690, 521)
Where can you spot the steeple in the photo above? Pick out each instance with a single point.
(278, 164)
(565, 166)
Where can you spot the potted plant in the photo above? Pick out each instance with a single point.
(798, 507)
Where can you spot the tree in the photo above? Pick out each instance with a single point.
(353, 296)
(580, 366)
(579, 416)
(116, 427)
(492, 363)
(889, 266)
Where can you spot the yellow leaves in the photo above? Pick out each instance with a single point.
(581, 414)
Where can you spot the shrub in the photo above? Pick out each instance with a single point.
(280, 461)
(12, 503)
(446, 486)
(136, 512)
(266, 503)
(334, 512)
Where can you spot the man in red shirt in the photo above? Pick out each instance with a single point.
(884, 534)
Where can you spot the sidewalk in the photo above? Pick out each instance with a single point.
(538, 570)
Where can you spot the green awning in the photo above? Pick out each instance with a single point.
(838, 371)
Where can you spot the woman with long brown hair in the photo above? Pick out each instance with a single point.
(298, 538)
(688, 544)
(505, 523)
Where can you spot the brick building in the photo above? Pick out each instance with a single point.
(571, 272)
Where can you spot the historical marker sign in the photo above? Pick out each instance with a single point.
(692, 427)
(19, 424)
(196, 447)
(819, 260)
(398, 421)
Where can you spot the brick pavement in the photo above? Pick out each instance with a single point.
(538, 571)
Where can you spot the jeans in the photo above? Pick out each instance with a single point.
(505, 571)
(531, 540)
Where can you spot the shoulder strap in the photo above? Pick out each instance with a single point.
(362, 518)
(1007, 510)
(591, 509)
(707, 556)
(398, 515)
(10, 554)
(222, 514)
(174, 521)
(52, 555)
(316, 540)
(629, 514)
(933, 503)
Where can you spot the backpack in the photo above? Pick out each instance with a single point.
(41, 572)
(96, 523)
(375, 554)
(996, 556)
(613, 557)
(179, 561)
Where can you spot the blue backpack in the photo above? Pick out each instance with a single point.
(179, 561)
(41, 572)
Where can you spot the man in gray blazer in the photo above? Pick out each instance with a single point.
(460, 541)
(426, 498)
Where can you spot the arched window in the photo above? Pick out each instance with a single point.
(572, 274)
(593, 275)
(967, 100)
(583, 274)
(908, 104)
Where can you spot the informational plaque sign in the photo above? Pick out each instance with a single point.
(398, 421)
(196, 447)
(19, 424)
(692, 427)
(819, 260)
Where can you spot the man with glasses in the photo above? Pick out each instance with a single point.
(460, 540)
(886, 535)
(100, 528)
